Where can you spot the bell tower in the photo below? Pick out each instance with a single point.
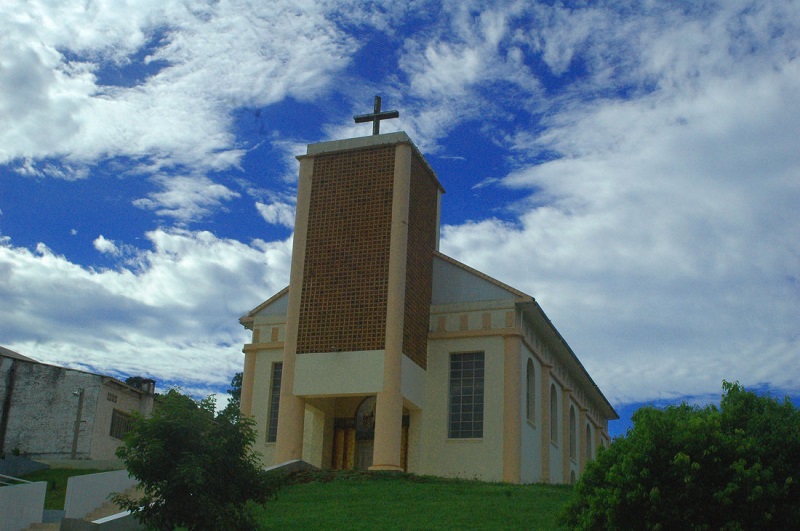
(360, 288)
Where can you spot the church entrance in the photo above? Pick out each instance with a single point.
(354, 439)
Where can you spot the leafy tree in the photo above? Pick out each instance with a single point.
(683, 467)
(196, 470)
(235, 392)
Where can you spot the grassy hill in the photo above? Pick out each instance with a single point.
(359, 500)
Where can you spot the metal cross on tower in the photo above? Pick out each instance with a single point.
(376, 116)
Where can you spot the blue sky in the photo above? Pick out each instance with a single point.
(636, 169)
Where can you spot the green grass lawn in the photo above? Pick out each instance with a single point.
(56, 479)
(402, 501)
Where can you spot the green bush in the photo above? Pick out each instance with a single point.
(684, 467)
(196, 470)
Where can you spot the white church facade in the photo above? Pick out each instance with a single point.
(385, 354)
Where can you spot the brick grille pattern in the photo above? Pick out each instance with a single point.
(345, 280)
(419, 272)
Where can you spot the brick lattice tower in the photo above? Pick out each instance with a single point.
(365, 233)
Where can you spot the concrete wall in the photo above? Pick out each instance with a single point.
(43, 409)
(21, 505)
(87, 493)
(41, 402)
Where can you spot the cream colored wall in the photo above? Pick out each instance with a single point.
(260, 404)
(336, 373)
(468, 458)
(531, 453)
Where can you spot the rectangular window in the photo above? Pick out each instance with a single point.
(121, 423)
(274, 402)
(466, 396)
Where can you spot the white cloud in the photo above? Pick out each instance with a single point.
(105, 245)
(177, 307)
(277, 213)
(662, 239)
(186, 198)
(54, 104)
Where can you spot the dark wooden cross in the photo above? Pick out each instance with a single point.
(376, 116)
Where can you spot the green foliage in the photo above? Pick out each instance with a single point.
(732, 467)
(235, 392)
(196, 470)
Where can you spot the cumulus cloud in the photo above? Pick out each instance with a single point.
(177, 307)
(53, 103)
(277, 213)
(661, 238)
(185, 198)
(651, 155)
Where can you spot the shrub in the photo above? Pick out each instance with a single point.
(195, 470)
(732, 467)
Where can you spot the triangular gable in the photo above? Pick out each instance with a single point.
(454, 282)
(278, 304)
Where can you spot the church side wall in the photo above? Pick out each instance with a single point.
(468, 458)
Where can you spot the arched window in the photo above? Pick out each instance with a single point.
(589, 455)
(530, 404)
(553, 414)
(573, 433)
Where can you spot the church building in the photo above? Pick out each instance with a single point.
(385, 354)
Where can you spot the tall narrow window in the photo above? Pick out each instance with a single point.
(573, 433)
(530, 404)
(466, 396)
(274, 402)
(588, 442)
(553, 414)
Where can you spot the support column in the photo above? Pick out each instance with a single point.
(387, 452)
(545, 423)
(248, 381)
(291, 413)
(512, 408)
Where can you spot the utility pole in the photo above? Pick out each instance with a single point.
(79, 394)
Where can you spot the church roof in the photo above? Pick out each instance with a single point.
(278, 303)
